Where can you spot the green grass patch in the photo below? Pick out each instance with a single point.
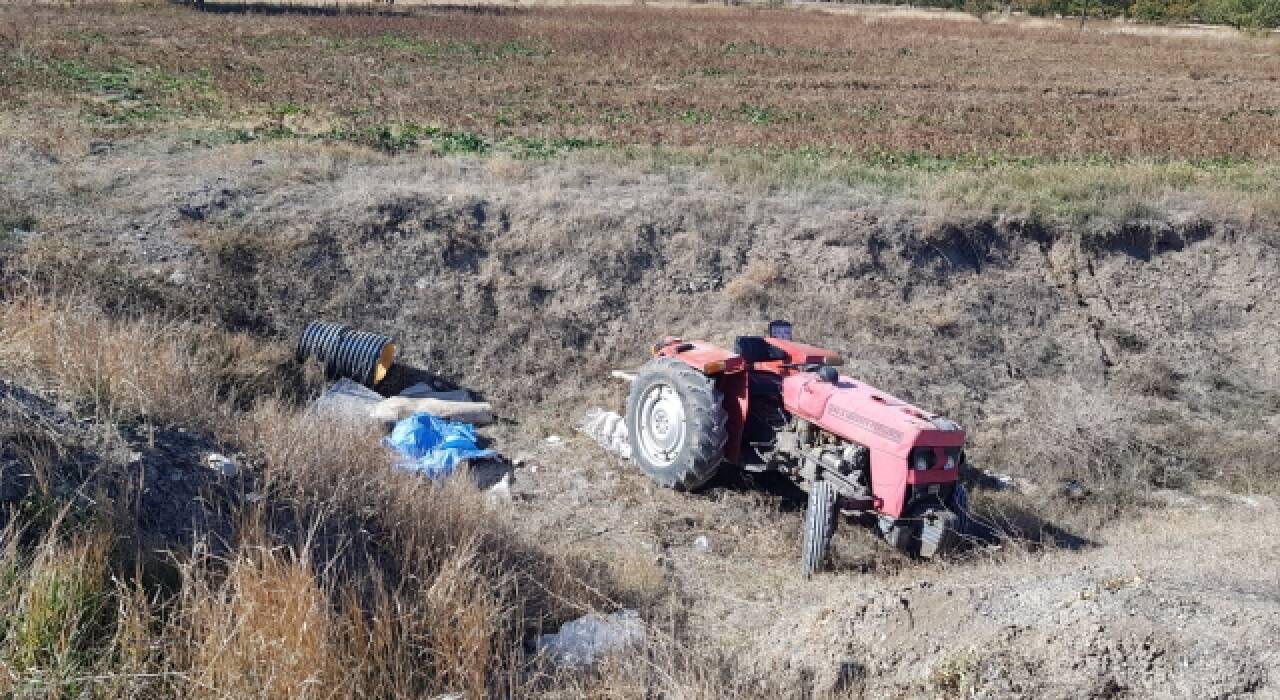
(696, 116)
(751, 48)
(453, 49)
(759, 115)
(764, 116)
(133, 81)
(404, 137)
(409, 136)
(126, 94)
(541, 149)
(58, 612)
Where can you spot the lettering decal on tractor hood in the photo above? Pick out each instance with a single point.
(865, 423)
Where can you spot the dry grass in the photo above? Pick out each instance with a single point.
(751, 287)
(138, 369)
(897, 91)
(344, 579)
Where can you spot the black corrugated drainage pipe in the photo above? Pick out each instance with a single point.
(346, 352)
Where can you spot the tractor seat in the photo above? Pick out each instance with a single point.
(754, 348)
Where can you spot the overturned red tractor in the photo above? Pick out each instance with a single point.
(777, 405)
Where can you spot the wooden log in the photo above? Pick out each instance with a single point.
(624, 375)
(455, 395)
(399, 407)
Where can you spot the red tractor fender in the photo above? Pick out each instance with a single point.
(728, 371)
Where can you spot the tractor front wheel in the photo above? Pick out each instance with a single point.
(677, 424)
(819, 525)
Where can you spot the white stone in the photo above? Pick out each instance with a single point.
(222, 464)
(580, 642)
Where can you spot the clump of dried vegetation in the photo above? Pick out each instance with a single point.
(343, 579)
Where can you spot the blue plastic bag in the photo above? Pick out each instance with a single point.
(434, 446)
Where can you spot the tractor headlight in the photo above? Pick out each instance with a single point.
(922, 458)
(955, 457)
(950, 463)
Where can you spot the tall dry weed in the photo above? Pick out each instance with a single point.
(344, 578)
(140, 367)
(258, 625)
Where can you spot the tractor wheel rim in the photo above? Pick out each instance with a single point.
(661, 424)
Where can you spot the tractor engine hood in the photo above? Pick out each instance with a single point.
(864, 414)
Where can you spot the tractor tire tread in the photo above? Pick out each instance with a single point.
(707, 418)
(819, 525)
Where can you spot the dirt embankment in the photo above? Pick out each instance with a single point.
(530, 282)
(1137, 357)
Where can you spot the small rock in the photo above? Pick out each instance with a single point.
(222, 464)
(501, 491)
(702, 543)
(580, 642)
(179, 278)
(554, 440)
(134, 457)
(1073, 490)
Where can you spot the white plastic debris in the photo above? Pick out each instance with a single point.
(180, 278)
(347, 399)
(222, 464)
(580, 642)
(499, 492)
(702, 543)
(607, 428)
(554, 439)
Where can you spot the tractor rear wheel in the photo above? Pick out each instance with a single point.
(676, 423)
(819, 524)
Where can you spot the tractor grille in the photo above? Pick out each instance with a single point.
(941, 492)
